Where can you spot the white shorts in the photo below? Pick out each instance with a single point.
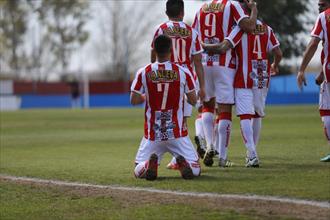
(259, 101)
(324, 101)
(250, 101)
(180, 146)
(219, 83)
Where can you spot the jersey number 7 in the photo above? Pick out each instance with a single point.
(165, 93)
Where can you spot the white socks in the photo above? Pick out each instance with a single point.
(208, 119)
(199, 130)
(256, 125)
(326, 125)
(247, 134)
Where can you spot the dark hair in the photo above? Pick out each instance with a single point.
(163, 44)
(174, 8)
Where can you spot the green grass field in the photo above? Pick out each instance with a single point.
(99, 146)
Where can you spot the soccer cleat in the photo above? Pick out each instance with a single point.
(326, 158)
(254, 162)
(200, 150)
(225, 163)
(172, 166)
(208, 158)
(184, 168)
(151, 173)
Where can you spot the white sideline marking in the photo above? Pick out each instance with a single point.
(192, 194)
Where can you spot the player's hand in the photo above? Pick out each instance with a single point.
(251, 4)
(319, 78)
(274, 70)
(301, 80)
(201, 94)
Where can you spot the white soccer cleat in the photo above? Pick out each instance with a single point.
(254, 162)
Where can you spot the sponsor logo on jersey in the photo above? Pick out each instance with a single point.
(260, 29)
(164, 125)
(163, 76)
(177, 32)
(259, 74)
(213, 7)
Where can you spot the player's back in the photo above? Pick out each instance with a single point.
(213, 23)
(185, 42)
(164, 85)
(253, 68)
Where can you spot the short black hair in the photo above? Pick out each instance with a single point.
(163, 44)
(174, 8)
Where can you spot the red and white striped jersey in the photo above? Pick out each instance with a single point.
(164, 85)
(213, 23)
(321, 30)
(253, 68)
(185, 42)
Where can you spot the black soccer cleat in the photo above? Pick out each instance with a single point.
(184, 168)
(151, 173)
(208, 158)
(199, 149)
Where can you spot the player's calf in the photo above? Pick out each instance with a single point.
(200, 148)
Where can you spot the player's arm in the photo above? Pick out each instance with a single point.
(192, 97)
(248, 24)
(319, 78)
(136, 98)
(190, 89)
(229, 42)
(197, 59)
(278, 55)
(219, 48)
(308, 55)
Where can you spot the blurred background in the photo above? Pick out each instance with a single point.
(84, 53)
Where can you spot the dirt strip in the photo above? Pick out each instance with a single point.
(270, 207)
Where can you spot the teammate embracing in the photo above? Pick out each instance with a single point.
(214, 22)
(251, 80)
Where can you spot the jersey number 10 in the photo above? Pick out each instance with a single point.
(179, 48)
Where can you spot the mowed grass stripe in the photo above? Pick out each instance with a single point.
(98, 146)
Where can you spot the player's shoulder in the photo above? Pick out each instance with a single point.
(235, 4)
(183, 69)
(145, 69)
(160, 26)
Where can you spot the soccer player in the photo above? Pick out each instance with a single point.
(213, 22)
(251, 80)
(320, 32)
(162, 85)
(186, 51)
